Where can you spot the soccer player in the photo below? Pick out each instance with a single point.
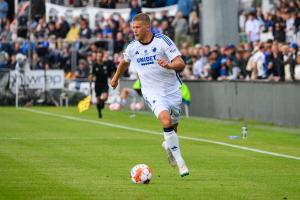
(136, 94)
(156, 59)
(102, 70)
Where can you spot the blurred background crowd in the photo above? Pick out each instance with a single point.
(268, 48)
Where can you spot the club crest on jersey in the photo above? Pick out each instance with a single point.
(154, 49)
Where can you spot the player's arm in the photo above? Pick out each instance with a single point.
(176, 64)
(120, 70)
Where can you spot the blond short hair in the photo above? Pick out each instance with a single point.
(142, 17)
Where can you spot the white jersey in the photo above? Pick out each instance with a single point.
(155, 80)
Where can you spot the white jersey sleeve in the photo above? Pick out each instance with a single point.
(170, 48)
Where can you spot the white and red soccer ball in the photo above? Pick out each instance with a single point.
(141, 174)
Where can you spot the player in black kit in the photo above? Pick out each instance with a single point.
(103, 69)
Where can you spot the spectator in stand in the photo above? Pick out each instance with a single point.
(119, 43)
(26, 44)
(52, 42)
(65, 58)
(164, 26)
(73, 33)
(98, 32)
(107, 32)
(128, 34)
(41, 28)
(290, 72)
(252, 28)
(289, 56)
(214, 62)
(85, 31)
(241, 63)
(101, 22)
(242, 21)
(199, 65)
(224, 73)
(5, 26)
(155, 28)
(194, 27)
(64, 27)
(180, 25)
(276, 65)
(278, 18)
(247, 57)
(135, 9)
(258, 64)
(81, 73)
(114, 26)
(268, 51)
(260, 17)
(51, 30)
(289, 26)
(122, 23)
(228, 71)
(3, 9)
(269, 23)
(297, 23)
(279, 33)
(297, 68)
(185, 7)
(285, 49)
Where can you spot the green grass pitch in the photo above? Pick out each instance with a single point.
(58, 153)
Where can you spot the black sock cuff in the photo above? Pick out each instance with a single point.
(166, 130)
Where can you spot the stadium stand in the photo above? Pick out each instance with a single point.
(268, 50)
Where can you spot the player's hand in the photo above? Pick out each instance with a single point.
(114, 83)
(164, 63)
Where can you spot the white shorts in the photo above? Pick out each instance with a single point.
(171, 103)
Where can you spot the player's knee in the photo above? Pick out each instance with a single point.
(166, 121)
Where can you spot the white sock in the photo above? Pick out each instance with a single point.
(172, 143)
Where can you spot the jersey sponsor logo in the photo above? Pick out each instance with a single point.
(147, 60)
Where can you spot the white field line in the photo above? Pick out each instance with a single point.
(153, 133)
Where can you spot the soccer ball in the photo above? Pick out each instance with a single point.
(141, 174)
